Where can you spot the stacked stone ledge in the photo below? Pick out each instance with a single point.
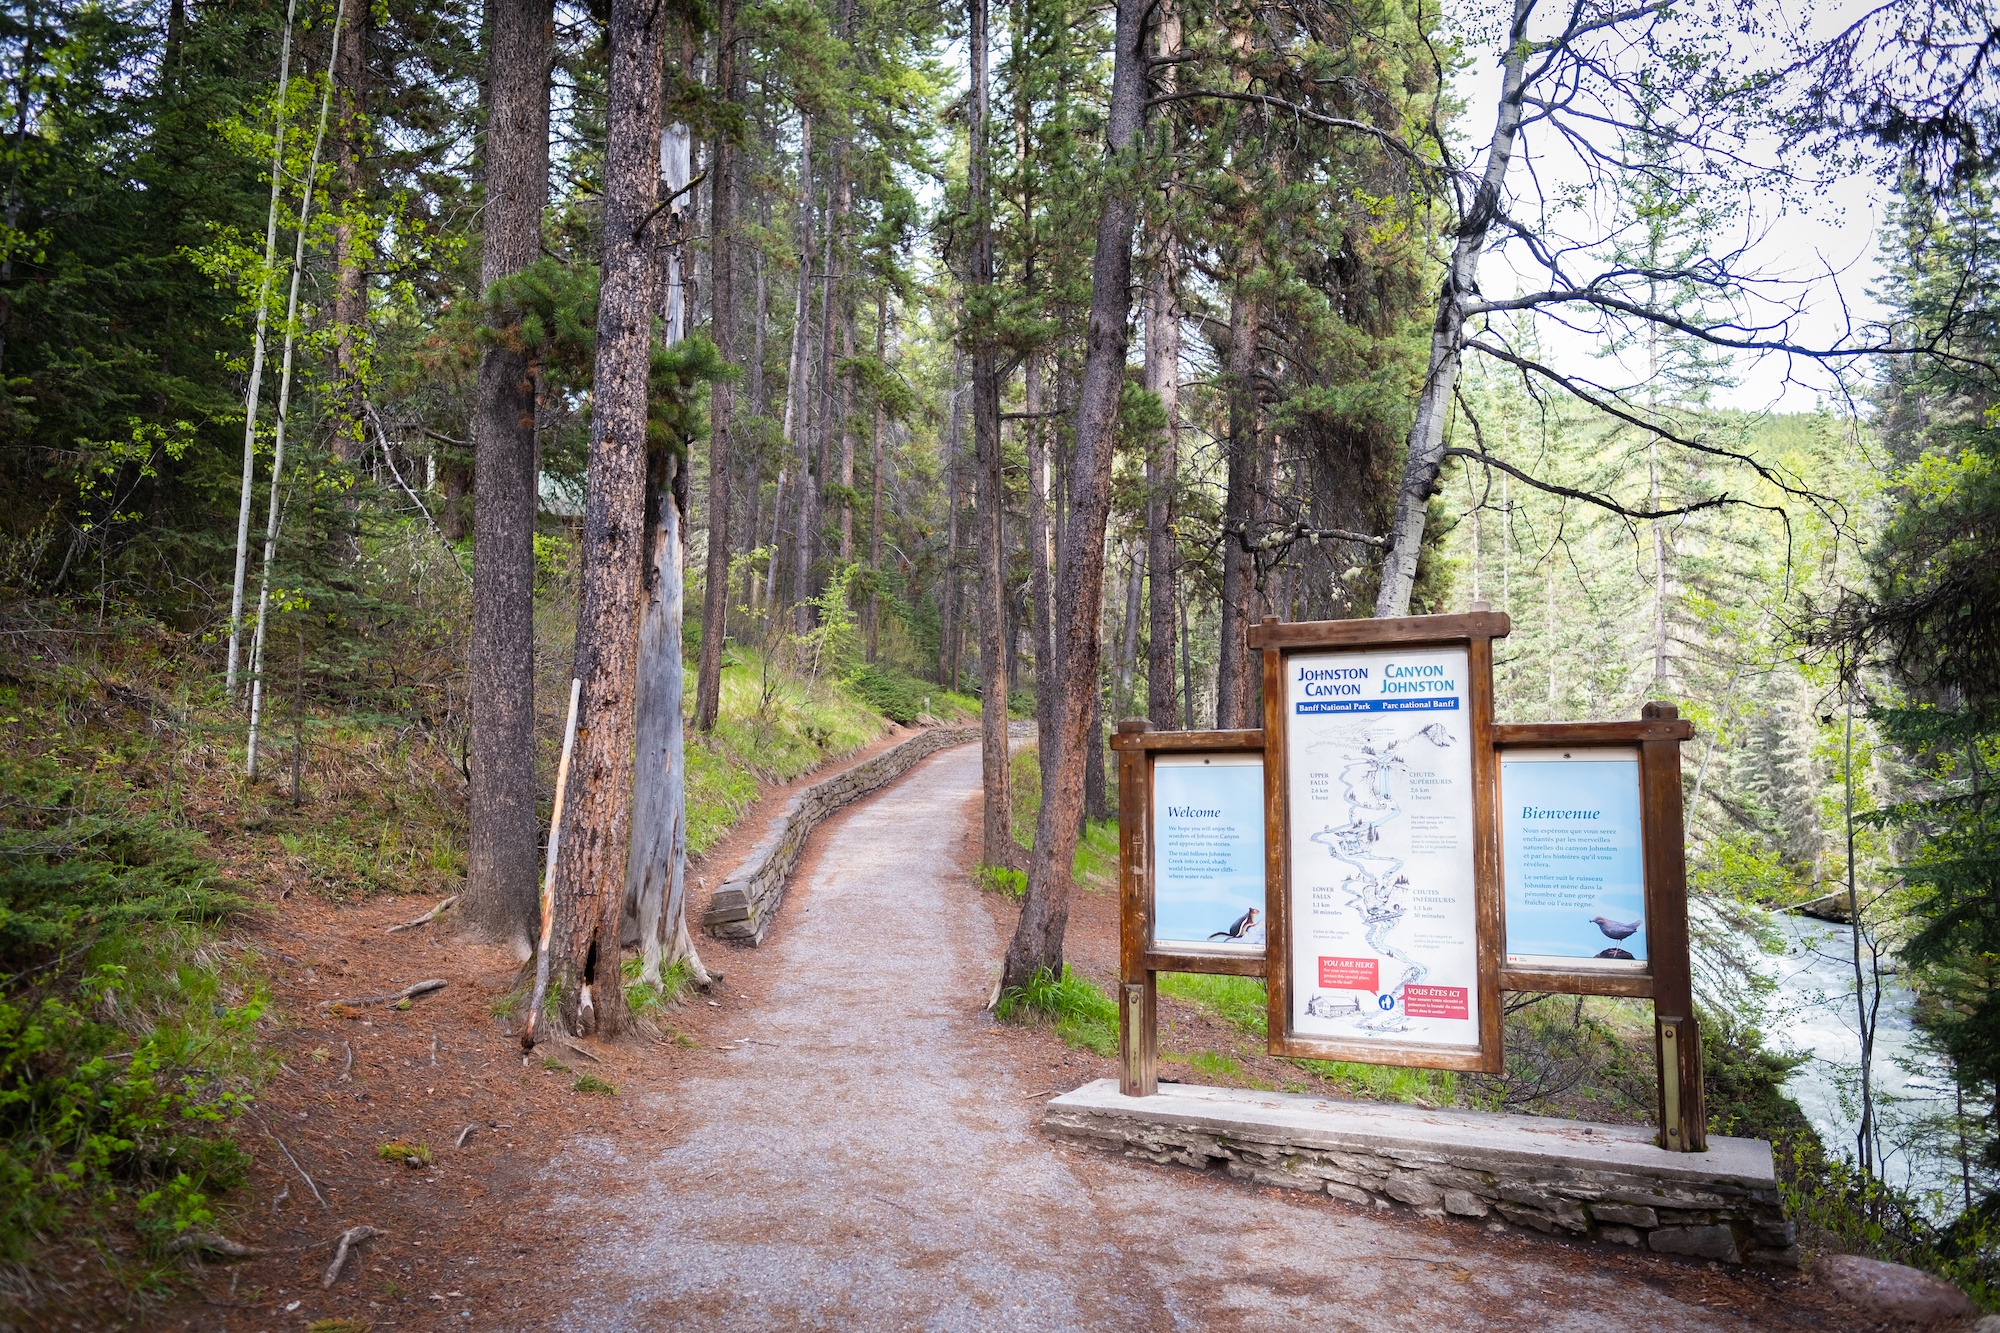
(1401, 1157)
(746, 903)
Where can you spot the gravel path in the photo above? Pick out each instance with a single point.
(860, 1164)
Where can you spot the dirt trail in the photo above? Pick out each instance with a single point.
(864, 1156)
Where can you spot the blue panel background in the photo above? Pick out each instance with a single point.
(1195, 896)
(1607, 880)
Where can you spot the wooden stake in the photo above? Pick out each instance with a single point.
(549, 871)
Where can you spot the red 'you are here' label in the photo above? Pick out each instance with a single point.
(1350, 974)
(1435, 1002)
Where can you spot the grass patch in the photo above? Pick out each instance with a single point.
(1003, 880)
(1084, 1016)
(1237, 1000)
(1096, 863)
(592, 1083)
(549, 1062)
(650, 1002)
(772, 727)
(416, 1156)
(1215, 1064)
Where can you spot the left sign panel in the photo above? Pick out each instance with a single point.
(1208, 853)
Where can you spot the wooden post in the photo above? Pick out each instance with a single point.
(1682, 1108)
(1138, 999)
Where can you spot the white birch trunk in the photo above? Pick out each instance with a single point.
(284, 411)
(1461, 285)
(255, 393)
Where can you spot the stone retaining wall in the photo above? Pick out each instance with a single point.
(1560, 1177)
(746, 902)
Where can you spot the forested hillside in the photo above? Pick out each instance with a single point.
(405, 404)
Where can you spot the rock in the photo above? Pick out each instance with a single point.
(1696, 1242)
(1465, 1203)
(1891, 1289)
(1987, 1324)
(1618, 1235)
(1414, 1190)
(1631, 1217)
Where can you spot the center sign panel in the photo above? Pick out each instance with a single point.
(1384, 925)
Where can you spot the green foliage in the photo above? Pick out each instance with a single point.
(111, 1093)
(416, 1156)
(1084, 1016)
(1237, 1000)
(1002, 880)
(72, 865)
(1743, 1083)
(592, 1083)
(896, 696)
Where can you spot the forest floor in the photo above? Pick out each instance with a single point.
(838, 1135)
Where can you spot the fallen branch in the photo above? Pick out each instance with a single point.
(214, 1244)
(427, 917)
(295, 1163)
(349, 1238)
(465, 1134)
(347, 1065)
(409, 992)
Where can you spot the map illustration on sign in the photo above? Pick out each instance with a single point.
(1384, 921)
(1208, 852)
(1573, 859)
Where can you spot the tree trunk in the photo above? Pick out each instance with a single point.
(846, 442)
(1128, 644)
(1041, 562)
(656, 869)
(1238, 507)
(501, 896)
(1425, 456)
(350, 248)
(253, 396)
(875, 481)
(948, 663)
(1038, 938)
(1163, 378)
(591, 874)
(997, 840)
(722, 395)
(798, 390)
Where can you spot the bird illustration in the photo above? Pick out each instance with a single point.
(1239, 929)
(1615, 952)
(1616, 930)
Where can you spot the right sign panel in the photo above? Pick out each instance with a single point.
(1573, 858)
(1384, 922)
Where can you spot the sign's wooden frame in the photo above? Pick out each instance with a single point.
(1475, 633)
(1139, 962)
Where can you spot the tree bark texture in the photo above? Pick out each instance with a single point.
(501, 896)
(1041, 561)
(722, 395)
(1163, 378)
(1425, 457)
(350, 247)
(591, 874)
(798, 435)
(997, 837)
(875, 482)
(1038, 938)
(1239, 506)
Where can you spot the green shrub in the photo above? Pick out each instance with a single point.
(1084, 1016)
(71, 869)
(1003, 879)
(592, 1083)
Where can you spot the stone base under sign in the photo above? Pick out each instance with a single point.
(1563, 1177)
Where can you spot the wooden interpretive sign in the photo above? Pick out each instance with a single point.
(1389, 858)
(1191, 855)
(1381, 850)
